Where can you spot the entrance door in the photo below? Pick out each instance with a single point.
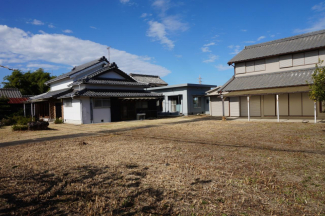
(58, 111)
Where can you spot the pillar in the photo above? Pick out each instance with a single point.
(249, 117)
(277, 108)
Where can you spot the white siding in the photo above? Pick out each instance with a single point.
(255, 105)
(285, 61)
(260, 65)
(250, 66)
(234, 106)
(311, 57)
(298, 59)
(60, 84)
(72, 114)
(240, 68)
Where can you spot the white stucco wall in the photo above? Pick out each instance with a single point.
(62, 84)
(72, 114)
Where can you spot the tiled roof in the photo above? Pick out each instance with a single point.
(312, 40)
(10, 93)
(111, 93)
(17, 100)
(77, 69)
(270, 80)
(51, 94)
(115, 82)
(151, 79)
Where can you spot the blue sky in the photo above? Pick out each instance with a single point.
(178, 40)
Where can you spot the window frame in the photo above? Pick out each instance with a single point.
(198, 101)
(101, 100)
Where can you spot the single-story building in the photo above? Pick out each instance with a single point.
(16, 101)
(270, 80)
(95, 92)
(186, 99)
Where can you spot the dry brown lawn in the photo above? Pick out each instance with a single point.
(183, 166)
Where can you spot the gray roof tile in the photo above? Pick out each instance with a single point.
(111, 93)
(309, 41)
(270, 80)
(10, 93)
(77, 69)
(51, 94)
(151, 79)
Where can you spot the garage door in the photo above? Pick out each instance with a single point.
(283, 104)
(255, 105)
(216, 106)
(269, 105)
(295, 104)
(243, 106)
(234, 106)
(307, 105)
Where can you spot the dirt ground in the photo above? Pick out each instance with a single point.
(182, 166)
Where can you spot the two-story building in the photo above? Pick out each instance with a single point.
(97, 91)
(270, 79)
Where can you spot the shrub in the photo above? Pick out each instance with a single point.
(21, 120)
(19, 127)
(58, 121)
(7, 121)
(39, 125)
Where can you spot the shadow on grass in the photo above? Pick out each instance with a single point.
(82, 191)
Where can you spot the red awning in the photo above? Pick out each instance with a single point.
(17, 100)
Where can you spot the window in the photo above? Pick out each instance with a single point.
(197, 102)
(141, 104)
(67, 102)
(102, 103)
(285, 61)
(322, 106)
(299, 59)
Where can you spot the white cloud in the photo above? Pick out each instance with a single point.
(205, 49)
(124, 1)
(318, 25)
(93, 27)
(44, 66)
(178, 56)
(250, 42)
(51, 26)
(260, 38)
(144, 15)
(212, 58)
(236, 49)
(319, 7)
(244, 30)
(18, 46)
(162, 5)
(173, 23)
(158, 32)
(42, 32)
(36, 22)
(272, 35)
(67, 31)
(221, 67)
(210, 44)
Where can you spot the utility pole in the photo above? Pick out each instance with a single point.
(200, 79)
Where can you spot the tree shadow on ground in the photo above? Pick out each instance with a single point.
(81, 190)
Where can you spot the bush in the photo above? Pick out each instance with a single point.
(58, 121)
(19, 127)
(21, 120)
(7, 121)
(39, 125)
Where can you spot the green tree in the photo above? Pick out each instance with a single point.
(317, 87)
(30, 83)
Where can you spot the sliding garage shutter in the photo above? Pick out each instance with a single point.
(269, 105)
(284, 104)
(255, 105)
(295, 104)
(243, 106)
(307, 105)
(285, 61)
(234, 106)
(216, 106)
